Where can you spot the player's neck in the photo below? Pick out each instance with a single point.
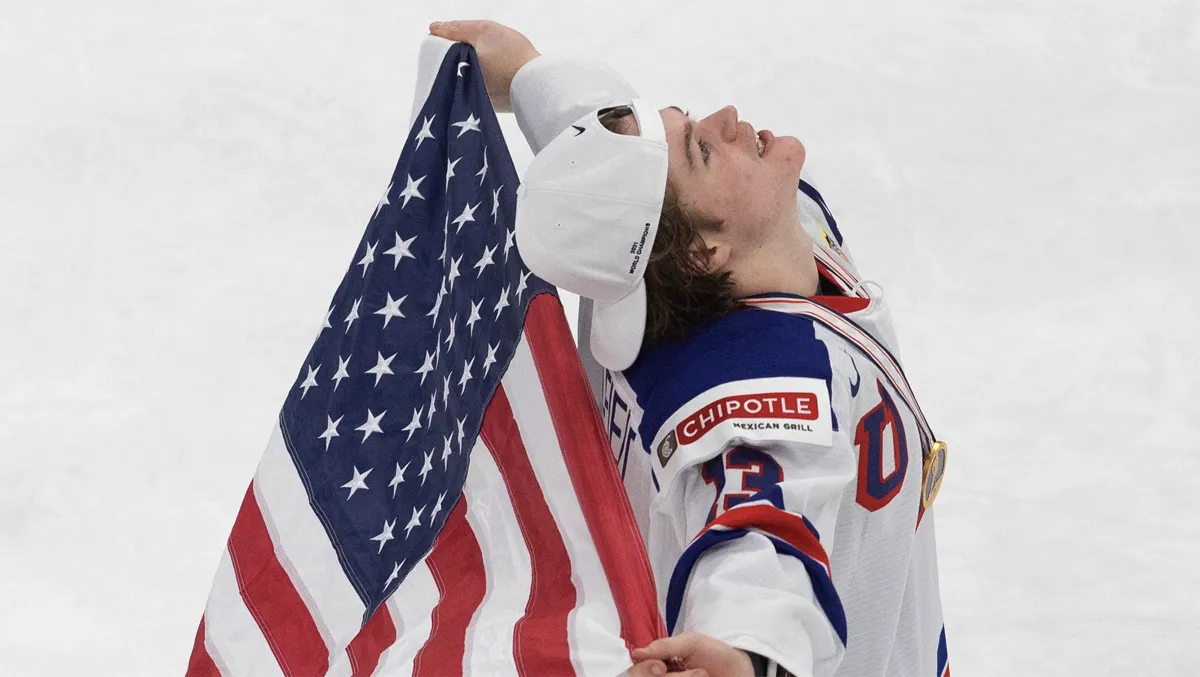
(787, 267)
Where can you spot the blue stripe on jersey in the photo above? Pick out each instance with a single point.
(816, 197)
(943, 654)
(747, 344)
(823, 588)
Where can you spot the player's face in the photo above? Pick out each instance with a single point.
(724, 177)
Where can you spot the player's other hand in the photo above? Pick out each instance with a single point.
(692, 650)
(502, 51)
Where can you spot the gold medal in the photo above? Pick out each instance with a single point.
(932, 472)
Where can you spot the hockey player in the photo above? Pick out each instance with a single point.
(773, 451)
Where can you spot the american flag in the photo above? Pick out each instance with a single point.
(437, 497)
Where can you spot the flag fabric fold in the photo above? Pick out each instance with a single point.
(437, 497)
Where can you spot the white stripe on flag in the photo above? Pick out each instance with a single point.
(506, 562)
(412, 613)
(303, 548)
(235, 642)
(594, 622)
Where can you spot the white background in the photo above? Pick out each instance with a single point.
(182, 185)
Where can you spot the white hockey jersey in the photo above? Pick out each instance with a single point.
(774, 460)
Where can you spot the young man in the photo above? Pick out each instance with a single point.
(773, 451)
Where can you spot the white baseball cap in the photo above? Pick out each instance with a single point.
(587, 215)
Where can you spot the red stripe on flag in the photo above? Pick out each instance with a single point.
(371, 641)
(201, 664)
(267, 591)
(593, 472)
(456, 564)
(540, 643)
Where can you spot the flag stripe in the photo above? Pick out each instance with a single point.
(412, 608)
(201, 664)
(540, 636)
(235, 642)
(611, 523)
(505, 559)
(303, 546)
(594, 622)
(457, 568)
(365, 649)
(268, 593)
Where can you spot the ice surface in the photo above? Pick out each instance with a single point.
(182, 185)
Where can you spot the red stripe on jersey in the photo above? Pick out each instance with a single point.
(781, 524)
(844, 304)
(201, 664)
(585, 451)
(371, 641)
(540, 643)
(456, 565)
(273, 601)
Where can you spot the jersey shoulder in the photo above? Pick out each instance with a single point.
(745, 351)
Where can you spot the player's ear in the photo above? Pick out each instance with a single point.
(712, 252)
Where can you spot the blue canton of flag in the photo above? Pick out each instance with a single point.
(391, 397)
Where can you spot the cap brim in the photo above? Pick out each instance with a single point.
(618, 328)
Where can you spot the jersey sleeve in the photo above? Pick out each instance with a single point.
(752, 469)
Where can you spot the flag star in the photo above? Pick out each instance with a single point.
(466, 376)
(411, 189)
(437, 350)
(383, 366)
(454, 271)
(414, 521)
(353, 314)
(432, 408)
(330, 430)
(482, 174)
(325, 324)
(385, 535)
(368, 258)
(503, 302)
(425, 132)
(490, 359)
(461, 433)
(496, 202)
(395, 573)
(427, 467)
(402, 250)
(446, 390)
(371, 425)
(413, 425)
(424, 369)
(391, 309)
(342, 371)
(467, 216)
(310, 381)
(450, 336)
(445, 238)
(399, 478)
(474, 317)
(383, 200)
(485, 260)
(471, 124)
(437, 304)
(450, 171)
(359, 481)
(437, 508)
(510, 238)
(521, 286)
(462, 65)
(447, 451)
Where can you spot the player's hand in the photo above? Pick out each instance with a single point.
(693, 650)
(502, 51)
(657, 668)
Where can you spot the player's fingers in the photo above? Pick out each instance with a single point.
(669, 647)
(648, 669)
(459, 31)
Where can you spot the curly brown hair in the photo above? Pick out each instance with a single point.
(681, 295)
